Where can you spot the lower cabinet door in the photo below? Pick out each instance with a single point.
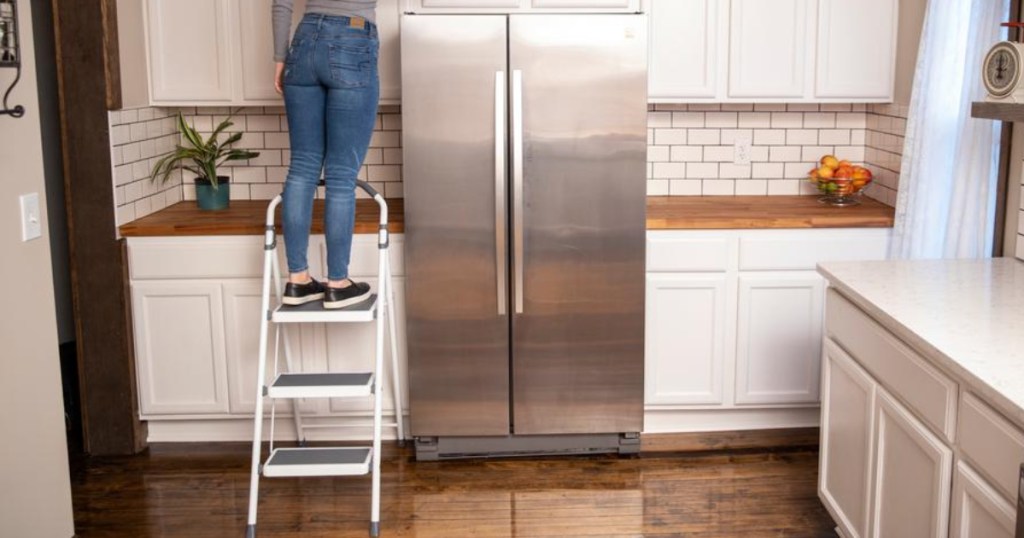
(912, 475)
(778, 344)
(846, 441)
(688, 325)
(979, 511)
(179, 347)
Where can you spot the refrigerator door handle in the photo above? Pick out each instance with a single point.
(500, 178)
(517, 185)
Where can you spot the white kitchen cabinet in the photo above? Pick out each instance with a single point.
(912, 476)
(778, 354)
(196, 313)
(179, 347)
(689, 321)
(768, 48)
(191, 50)
(855, 37)
(220, 52)
(847, 430)
(256, 35)
(685, 44)
(979, 511)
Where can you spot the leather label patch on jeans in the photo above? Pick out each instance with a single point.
(357, 22)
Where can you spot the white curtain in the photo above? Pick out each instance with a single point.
(946, 202)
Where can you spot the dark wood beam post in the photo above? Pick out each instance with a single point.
(88, 73)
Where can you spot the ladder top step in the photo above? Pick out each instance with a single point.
(298, 380)
(321, 385)
(315, 312)
(284, 462)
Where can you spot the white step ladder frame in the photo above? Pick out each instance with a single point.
(384, 308)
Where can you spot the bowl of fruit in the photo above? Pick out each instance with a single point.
(840, 182)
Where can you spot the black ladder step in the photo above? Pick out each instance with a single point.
(292, 462)
(321, 385)
(314, 312)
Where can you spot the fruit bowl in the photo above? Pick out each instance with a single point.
(840, 182)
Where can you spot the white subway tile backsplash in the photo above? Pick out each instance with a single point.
(787, 120)
(687, 153)
(685, 187)
(691, 150)
(722, 120)
(705, 137)
(688, 120)
(669, 137)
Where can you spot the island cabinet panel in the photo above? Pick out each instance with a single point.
(927, 392)
(993, 445)
(902, 469)
(847, 429)
(979, 511)
(912, 475)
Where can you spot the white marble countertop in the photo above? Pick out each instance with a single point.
(967, 317)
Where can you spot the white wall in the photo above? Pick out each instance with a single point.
(911, 22)
(35, 491)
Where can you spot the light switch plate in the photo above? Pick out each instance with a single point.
(742, 151)
(31, 220)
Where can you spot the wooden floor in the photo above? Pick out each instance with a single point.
(200, 491)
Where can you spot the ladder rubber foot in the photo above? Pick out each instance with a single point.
(374, 529)
(303, 443)
(250, 531)
(401, 443)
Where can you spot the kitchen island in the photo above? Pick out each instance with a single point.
(923, 397)
(734, 312)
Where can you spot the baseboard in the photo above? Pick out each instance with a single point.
(665, 430)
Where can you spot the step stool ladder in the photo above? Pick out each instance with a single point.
(292, 384)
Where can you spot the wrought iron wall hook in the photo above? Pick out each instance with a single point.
(10, 52)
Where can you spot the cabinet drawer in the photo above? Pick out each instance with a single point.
(800, 250)
(991, 444)
(197, 257)
(670, 252)
(927, 392)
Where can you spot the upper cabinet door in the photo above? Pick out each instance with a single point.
(684, 48)
(190, 50)
(581, 3)
(257, 40)
(768, 49)
(389, 64)
(856, 48)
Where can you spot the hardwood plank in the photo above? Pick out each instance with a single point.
(247, 217)
(202, 490)
(97, 258)
(744, 212)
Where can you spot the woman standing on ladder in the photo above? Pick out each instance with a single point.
(329, 81)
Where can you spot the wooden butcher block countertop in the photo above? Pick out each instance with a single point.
(663, 213)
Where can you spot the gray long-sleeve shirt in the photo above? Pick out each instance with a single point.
(283, 17)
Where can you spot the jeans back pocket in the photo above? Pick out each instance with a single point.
(353, 62)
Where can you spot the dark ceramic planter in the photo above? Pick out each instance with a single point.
(212, 198)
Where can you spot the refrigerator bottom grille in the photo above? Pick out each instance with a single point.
(513, 446)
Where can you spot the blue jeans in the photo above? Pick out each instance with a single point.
(331, 91)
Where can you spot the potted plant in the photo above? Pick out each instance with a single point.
(202, 158)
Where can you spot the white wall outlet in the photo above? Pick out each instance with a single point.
(741, 155)
(31, 220)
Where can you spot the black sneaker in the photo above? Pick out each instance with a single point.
(300, 294)
(342, 297)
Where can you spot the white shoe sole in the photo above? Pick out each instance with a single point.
(347, 302)
(299, 301)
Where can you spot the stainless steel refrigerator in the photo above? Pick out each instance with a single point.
(524, 146)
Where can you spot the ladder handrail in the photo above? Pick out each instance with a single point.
(383, 242)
